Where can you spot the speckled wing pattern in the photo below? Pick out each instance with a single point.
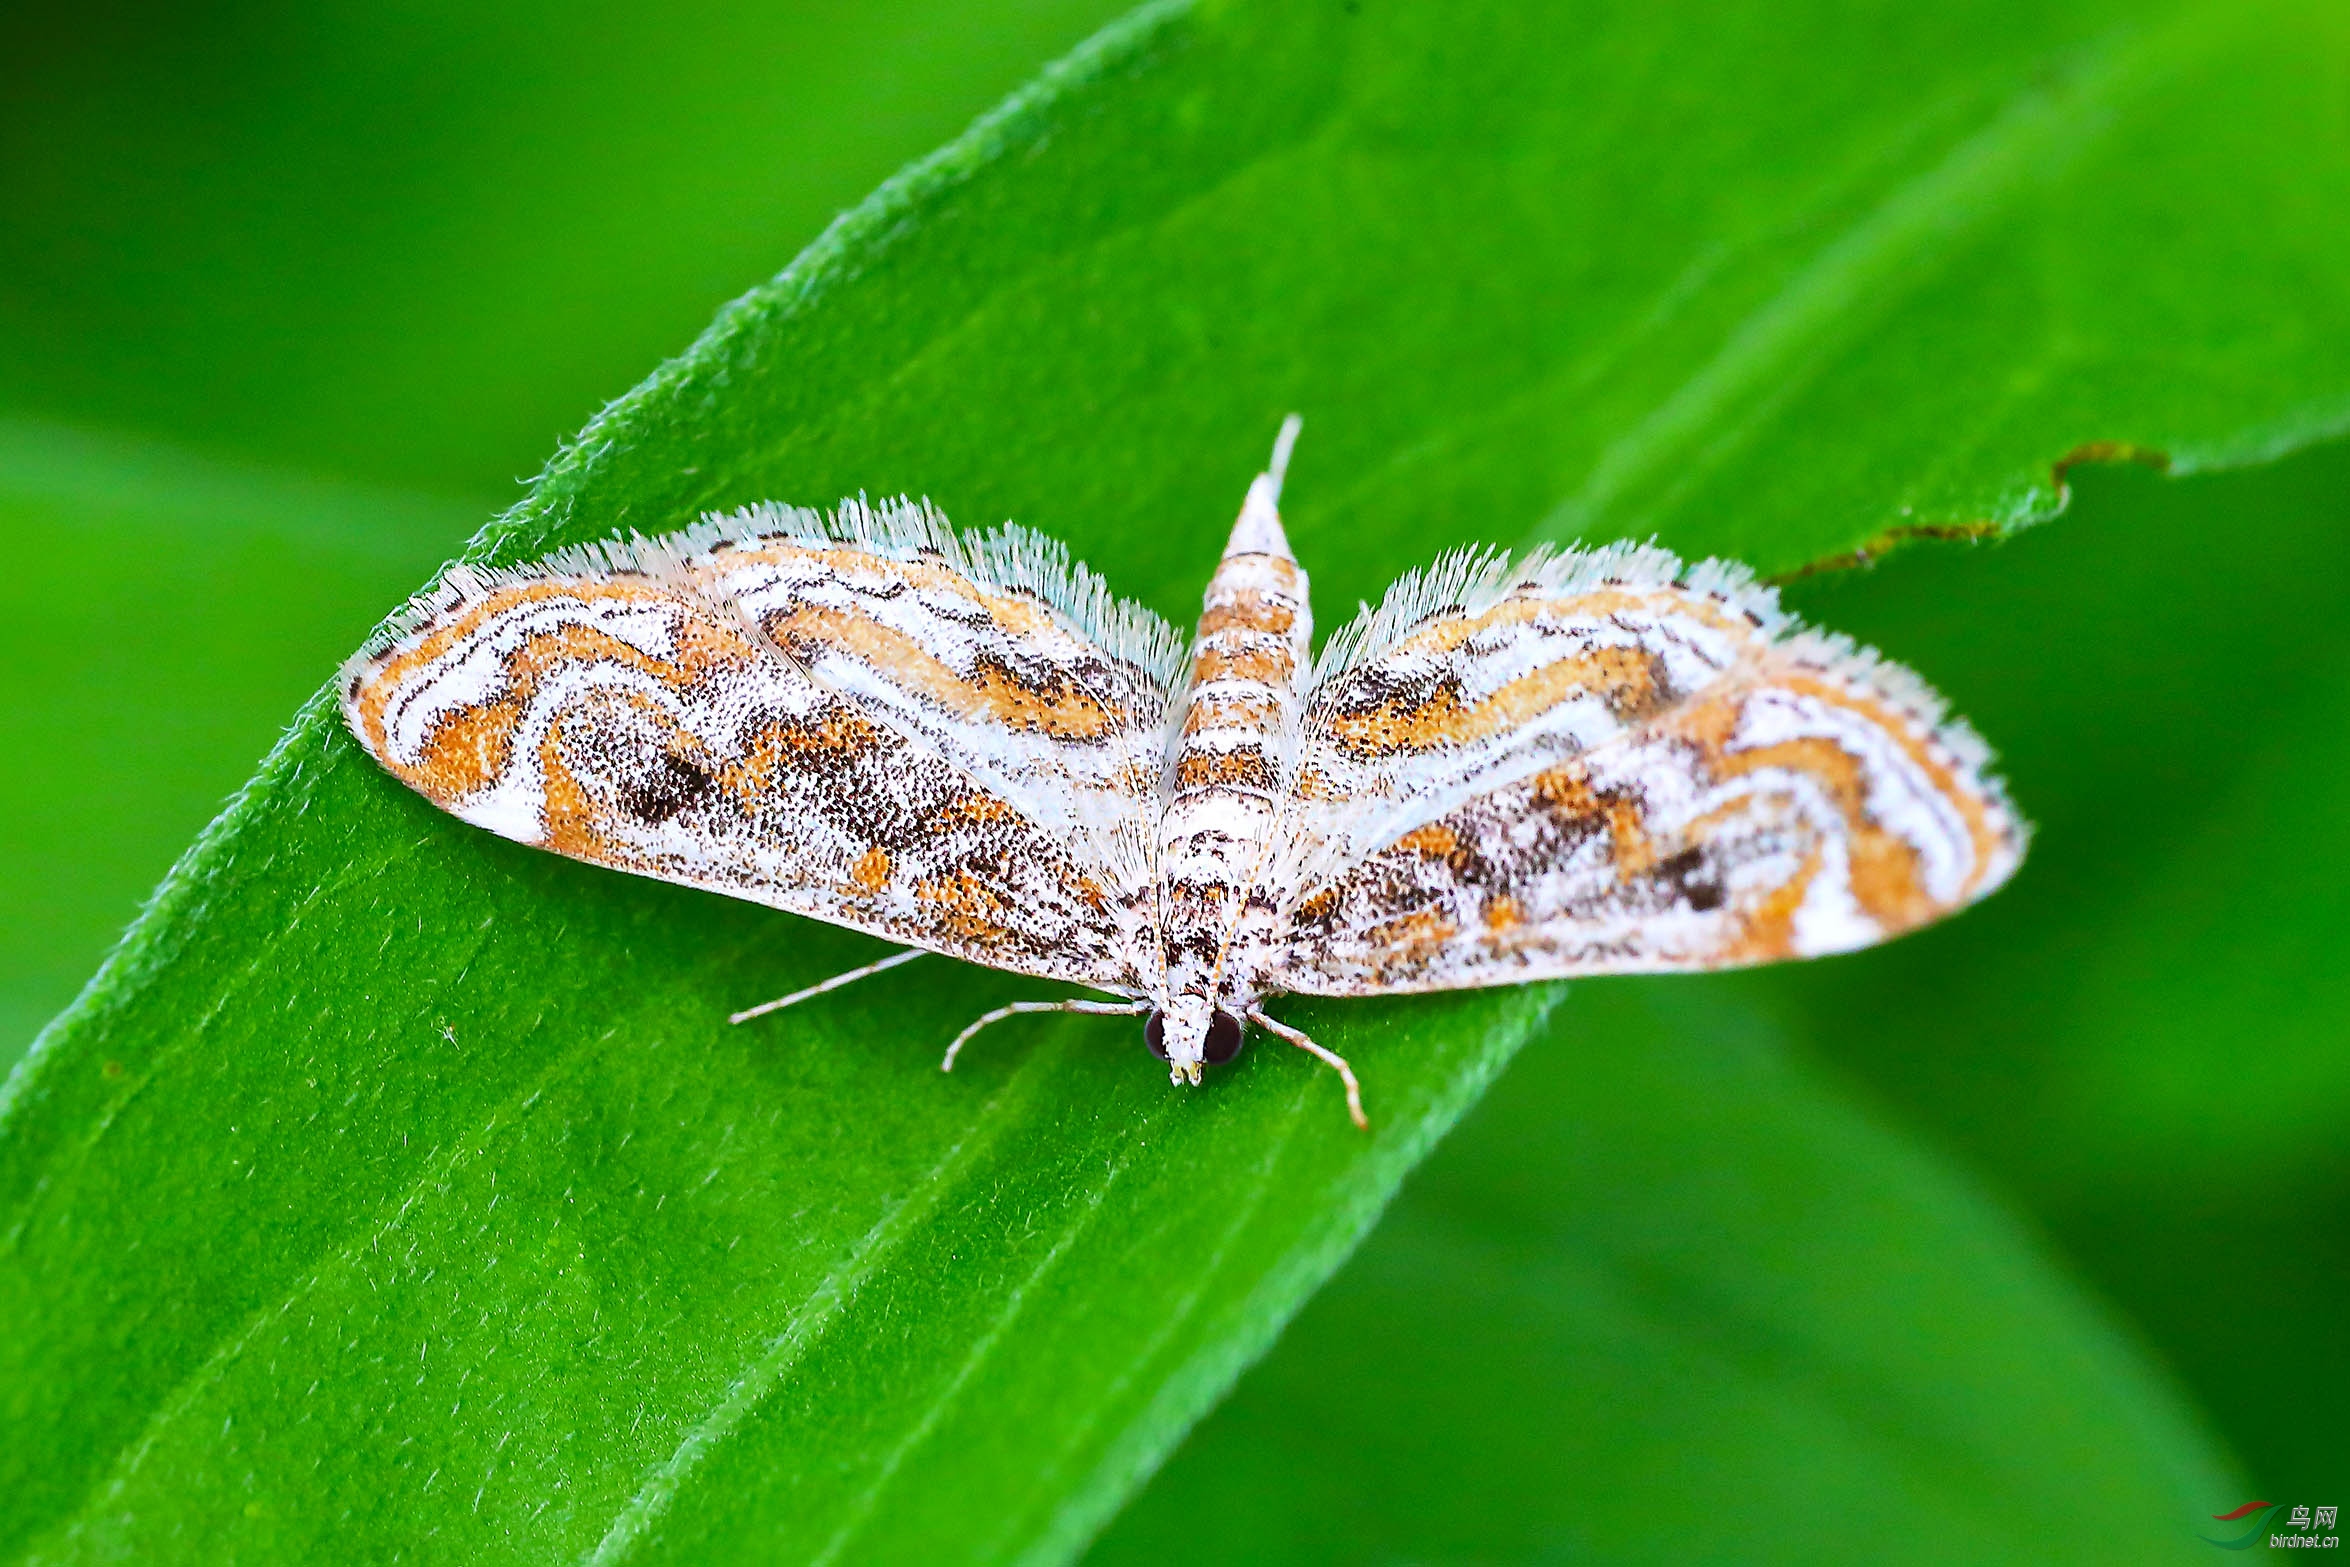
(1601, 762)
(1592, 762)
(949, 741)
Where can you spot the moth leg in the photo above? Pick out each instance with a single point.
(1329, 1058)
(1095, 1008)
(834, 983)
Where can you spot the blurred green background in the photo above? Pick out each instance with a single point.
(290, 298)
(279, 268)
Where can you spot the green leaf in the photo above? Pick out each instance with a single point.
(160, 615)
(2148, 1048)
(412, 243)
(397, 1189)
(1681, 1289)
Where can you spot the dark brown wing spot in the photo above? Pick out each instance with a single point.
(1688, 879)
(666, 786)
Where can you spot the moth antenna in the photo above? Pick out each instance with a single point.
(1283, 444)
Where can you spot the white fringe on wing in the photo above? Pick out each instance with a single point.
(1471, 581)
(1011, 559)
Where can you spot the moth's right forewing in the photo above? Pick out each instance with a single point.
(1482, 671)
(1631, 769)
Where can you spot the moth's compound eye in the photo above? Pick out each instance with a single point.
(1223, 1039)
(1154, 1034)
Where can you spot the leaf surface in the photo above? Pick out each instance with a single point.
(398, 1189)
(161, 615)
(1684, 1290)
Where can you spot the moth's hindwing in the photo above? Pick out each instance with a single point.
(1649, 771)
(865, 729)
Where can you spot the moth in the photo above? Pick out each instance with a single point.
(1582, 762)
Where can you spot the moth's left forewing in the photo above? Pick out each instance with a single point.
(993, 647)
(866, 718)
(1634, 769)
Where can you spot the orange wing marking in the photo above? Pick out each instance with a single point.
(1065, 711)
(1624, 678)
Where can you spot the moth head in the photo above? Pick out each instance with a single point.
(1190, 1033)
